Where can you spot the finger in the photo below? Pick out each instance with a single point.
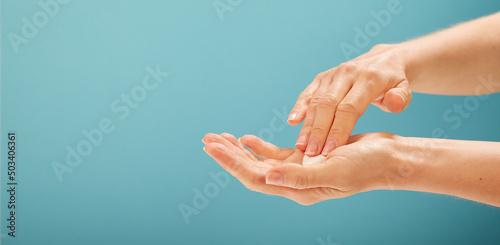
(398, 98)
(347, 114)
(235, 142)
(215, 138)
(302, 141)
(264, 149)
(380, 105)
(227, 158)
(300, 177)
(298, 112)
(325, 113)
(254, 178)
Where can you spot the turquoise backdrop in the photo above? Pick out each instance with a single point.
(109, 145)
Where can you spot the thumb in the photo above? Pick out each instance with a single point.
(398, 98)
(298, 176)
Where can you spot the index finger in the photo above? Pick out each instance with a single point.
(346, 116)
(298, 112)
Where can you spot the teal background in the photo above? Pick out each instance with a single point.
(225, 76)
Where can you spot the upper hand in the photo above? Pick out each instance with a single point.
(336, 98)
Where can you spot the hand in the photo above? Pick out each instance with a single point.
(361, 165)
(336, 98)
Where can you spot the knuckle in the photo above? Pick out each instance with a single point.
(348, 107)
(385, 135)
(319, 77)
(296, 182)
(323, 74)
(328, 101)
(301, 181)
(408, 94)
(306, 94)
(229, 136)
(337, 132)
(314, 102)
(380, 46)
(372, 83)
(348, 67)
(235, 166)
(219, 148)
(372, 73)
(324, 106)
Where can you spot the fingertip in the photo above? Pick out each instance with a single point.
(301, 147)
(208, 138)
(293, 122)
(301, 143)
(293, 116)
(331, 144)
(296, 117)
(210, 147)
(312, 148)
(394, 102)
(336, 140)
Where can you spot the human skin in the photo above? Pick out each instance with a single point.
(455, 61)
(374, 161)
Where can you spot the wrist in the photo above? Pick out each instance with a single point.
(395, 166)
(405, 164)
(410, 56)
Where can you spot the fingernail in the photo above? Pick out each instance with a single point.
(302, 140)
(330, 146)
(312, 148)
(292, 116)
(275, 178)
(205, 150)
(203, 141)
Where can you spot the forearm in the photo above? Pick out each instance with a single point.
(453, 60)
(467, 169)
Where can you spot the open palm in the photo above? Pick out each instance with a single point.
(251, 169)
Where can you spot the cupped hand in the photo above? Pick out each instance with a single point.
(331, 105)
(361, 165)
